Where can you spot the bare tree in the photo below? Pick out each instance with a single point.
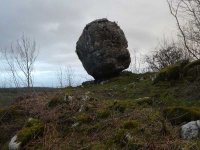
(69, 75)
(167, 53)
(11, 66)
(136, 61)
(65, 76)
(20, 58)
(187, 16)
(60, 78)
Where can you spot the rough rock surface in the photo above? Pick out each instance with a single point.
(102, 49)
(13, 144)
(190, 130)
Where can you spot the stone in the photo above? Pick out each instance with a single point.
(68, 98)
(75, 125)
(102, 49)
(190, 130)
(81, 108)
(13, 144)
(128, 137)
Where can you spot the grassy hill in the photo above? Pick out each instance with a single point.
(126, 112)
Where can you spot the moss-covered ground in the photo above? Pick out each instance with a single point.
(126, 112)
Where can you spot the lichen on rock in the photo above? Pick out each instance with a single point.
(190, 130)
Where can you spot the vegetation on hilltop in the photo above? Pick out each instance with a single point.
(125, 112)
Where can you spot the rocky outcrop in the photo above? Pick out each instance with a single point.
(102, 49)
(190, 130)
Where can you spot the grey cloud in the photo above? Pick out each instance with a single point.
(57, 24)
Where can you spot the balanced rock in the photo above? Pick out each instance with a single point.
(102, 49)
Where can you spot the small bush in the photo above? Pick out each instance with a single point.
(94, 128)
(121, 106)
(83, 118)
(131, 124)
(192, 71)
(179, 115)
(11, 113)
(56, 100)
(120, 136)
(169, 73)
(191, 65)
(103, 114)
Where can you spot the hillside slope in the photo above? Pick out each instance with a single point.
(126, 112)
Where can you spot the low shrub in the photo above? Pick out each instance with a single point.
(131, 124)
(33, 129)
(120, 136)
(11, 113)
(56, 100)
(179, 115)
(83, 118)
(191, 65)
(103, 113)
(169, 73)
(192, 71)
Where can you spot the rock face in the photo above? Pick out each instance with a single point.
(102, 49)
(190, 130)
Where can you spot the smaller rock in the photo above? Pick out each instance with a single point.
(30, 119)
(85, 98)
(143, 98)
(68, 98)
(142, 78)
(13, 144)
(128, 137)
(86, 83)
(87, 93)
(190, 130)
(75, 125)
(104, 82)
(81, 108)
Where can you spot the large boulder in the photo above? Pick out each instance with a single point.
(102, 49)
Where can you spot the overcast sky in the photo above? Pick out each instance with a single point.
(57, 24)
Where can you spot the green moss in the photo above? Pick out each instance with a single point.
(178, 115)
(131, 124)
(83, 118)
(121, 106)
(144, 101)
(33, 129)
(103, 113)
(191, 65)
(169, 73)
